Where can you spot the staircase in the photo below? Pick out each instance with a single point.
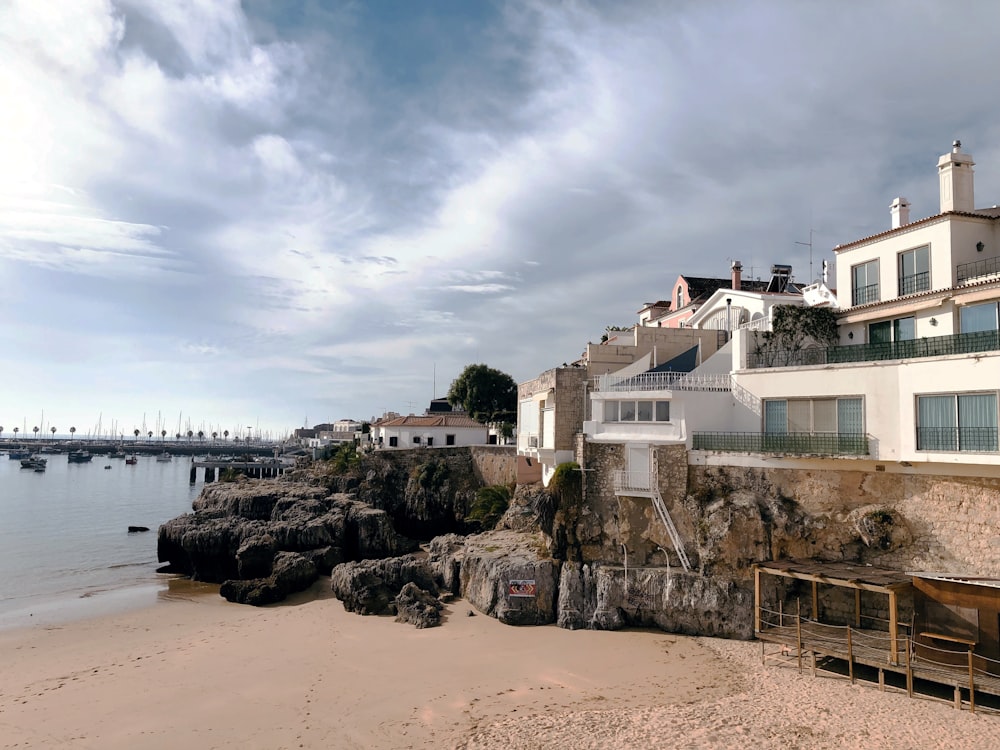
(675, 538)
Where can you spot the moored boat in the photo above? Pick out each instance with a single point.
(165, 456)
(79, 457)
(132, 460)
(35, 462)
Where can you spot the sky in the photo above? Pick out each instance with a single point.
(227, 216)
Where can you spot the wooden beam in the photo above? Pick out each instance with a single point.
(893, 627)
(857, 608)
(815, 601)
(756, 599)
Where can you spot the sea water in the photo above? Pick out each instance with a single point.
(65, 548)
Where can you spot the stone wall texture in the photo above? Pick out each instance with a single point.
(494, 464)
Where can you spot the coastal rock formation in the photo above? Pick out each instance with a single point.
(370, 587)
(290, 573)
(496, 568)
(417, 607)
(237, 528)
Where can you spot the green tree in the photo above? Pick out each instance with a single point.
(486, 394)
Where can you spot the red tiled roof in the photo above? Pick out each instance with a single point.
(985, 213)
(441, 420)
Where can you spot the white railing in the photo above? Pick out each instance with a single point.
(760, 324)
(663, 381)
(631, 481)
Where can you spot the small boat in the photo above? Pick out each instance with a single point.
(107, 466)
(16, 454)
(165, 456)
(119, 453)
(132, 460)
(35, 462)
(79, 457)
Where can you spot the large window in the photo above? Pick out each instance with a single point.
(886, 331)
(636, 411)
(914, 271)
(864, 283)
(977, 318)
(843, 416)
(957, 422)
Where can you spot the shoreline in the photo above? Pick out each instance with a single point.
(199, 671)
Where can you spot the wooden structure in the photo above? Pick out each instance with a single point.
(954, 638)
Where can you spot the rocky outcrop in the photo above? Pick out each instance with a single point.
(417, 607)
(237, 528)
(370, 587)
(495, 567)
(290, 573)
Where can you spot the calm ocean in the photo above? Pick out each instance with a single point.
(65, 550)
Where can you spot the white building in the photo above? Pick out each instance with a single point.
(429, 431)
(914, 382)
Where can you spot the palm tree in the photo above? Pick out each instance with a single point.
(225, 433)
(201, 435)
(163, 435)
(136, 433)
(1, 431)
(190, 435)
(178, 436)
(53, 432)
(16, 429)
(150, 434)
(35, 430)
(215, 435)
(72, 432)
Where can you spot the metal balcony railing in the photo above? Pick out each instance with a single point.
(631, 481)
(662, 381)
(967, 271)
(972, 439)
(918, 282)
(797, 443)
(934, 346)
(862, 295)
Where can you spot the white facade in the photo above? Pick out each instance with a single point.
(442, 431)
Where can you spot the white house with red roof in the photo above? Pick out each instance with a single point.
(443, 430)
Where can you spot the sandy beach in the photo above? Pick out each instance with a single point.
(194, 671)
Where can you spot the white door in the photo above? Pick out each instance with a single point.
(638, 465)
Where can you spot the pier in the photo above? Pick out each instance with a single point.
(256, 469)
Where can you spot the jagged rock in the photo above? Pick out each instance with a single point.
(494, 561)
(577, 597)
(255, 556)
(416, 606)
(880, 528)
(324, 558)
(370, 587)
(445, 555)
(291, 572)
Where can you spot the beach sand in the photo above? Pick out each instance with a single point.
(194, 671)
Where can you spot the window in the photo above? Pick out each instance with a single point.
(887, 331)
(416, 440)
(449, 439)
(393, 441)
(957, 422)
(914, 271)
(679, 302)
(843, 416)
(636, 411)
(864, 283)
(430, 442)
(977, 318)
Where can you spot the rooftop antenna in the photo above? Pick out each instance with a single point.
(809, 244)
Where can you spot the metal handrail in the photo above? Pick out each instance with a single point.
(799, 443)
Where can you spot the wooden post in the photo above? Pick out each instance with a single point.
(850, 656)
(909, 668)
(893, 627)
(881, 680)
(958, 697)
(194, 474)
(756, 600)
(972, 684)
(815, 588)
(798, 633)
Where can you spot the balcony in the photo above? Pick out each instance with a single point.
(968, 271)
(794, 443)
(632, 483)
(918, 282)
(971, 439)
(934, 346)
(862, 295)
(662, 381)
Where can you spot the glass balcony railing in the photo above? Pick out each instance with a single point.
(934, 346)
(796, 443)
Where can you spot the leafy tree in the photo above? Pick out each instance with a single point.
(489, 506)
(486, 394)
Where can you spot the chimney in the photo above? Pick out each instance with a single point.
(900, 211)
(737, 275)
(955, 177)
